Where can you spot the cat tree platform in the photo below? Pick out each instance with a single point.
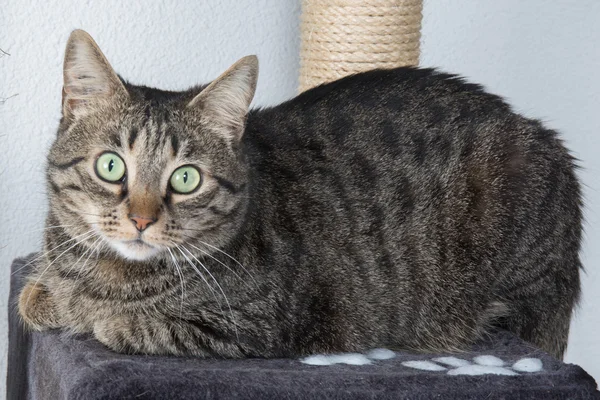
(54, 366)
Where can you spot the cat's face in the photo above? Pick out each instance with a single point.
(145, 172)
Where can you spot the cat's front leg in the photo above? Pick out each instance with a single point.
(37, 307)
(138, 334)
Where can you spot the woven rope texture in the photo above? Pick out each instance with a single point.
(343, 37)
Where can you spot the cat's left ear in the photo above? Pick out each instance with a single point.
(89, 81)
(225, 102)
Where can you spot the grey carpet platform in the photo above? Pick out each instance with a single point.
(54, 366)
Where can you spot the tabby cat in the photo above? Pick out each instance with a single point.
(403, 208)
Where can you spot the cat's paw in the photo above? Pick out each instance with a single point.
(37, 308)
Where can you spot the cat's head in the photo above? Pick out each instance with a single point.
(142, 171)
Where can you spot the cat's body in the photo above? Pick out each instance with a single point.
(401, 208)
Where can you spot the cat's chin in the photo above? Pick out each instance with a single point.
(135, 250)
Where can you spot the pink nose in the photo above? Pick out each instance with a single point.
(141, 223)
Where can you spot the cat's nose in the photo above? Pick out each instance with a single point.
(141, 223)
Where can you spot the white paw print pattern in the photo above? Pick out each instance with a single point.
(481, 365)
(349, 358)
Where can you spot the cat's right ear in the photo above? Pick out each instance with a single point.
(225, 102)
(89, 80)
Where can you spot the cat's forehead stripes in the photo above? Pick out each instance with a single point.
(155, 132)
(174, 144)
(133, 133)
(115, 140)
(150, 147)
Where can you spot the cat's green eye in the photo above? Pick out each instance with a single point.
(185, 179)
(110, 167)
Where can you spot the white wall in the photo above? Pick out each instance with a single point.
(539, 54)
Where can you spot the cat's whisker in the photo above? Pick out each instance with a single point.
(222, 252)
(178, 269)
(220, 289)
(18, 235)
(231, 257)
(46, 229)
(214, 293)
(94, 247)
(88, 250)
(86, 213)
(49, 251)
(90, 234)
(80, 257)
(220, 262)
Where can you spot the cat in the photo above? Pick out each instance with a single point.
(401, 208)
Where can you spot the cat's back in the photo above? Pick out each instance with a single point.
(415, 153)
(412, 96)
(419, 119)
(409, 113)
(417, 183)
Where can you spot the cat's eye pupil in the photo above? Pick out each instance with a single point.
(185, 179)
(110, 167)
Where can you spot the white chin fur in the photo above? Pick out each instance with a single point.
(135, 251)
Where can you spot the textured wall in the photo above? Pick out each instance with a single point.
(538, 54)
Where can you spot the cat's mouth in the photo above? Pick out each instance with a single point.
(137, 249)
(138, 242)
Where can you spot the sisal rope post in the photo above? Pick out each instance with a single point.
(343, 37)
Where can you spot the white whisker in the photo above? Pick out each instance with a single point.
(86, 213)
(80, 257)
(236, 261)
(214, 293)
(219, 261)
(46, 229)
(49, 251)
(178, 269)
(220, 289)
(94, 247)
(90, 234)
(87, 251)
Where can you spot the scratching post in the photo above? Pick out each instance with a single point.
(343, 37)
